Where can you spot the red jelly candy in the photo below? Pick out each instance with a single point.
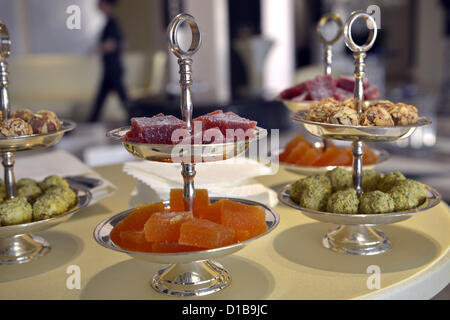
(157, 130)
(208, 115)
(342, 94)
(294, 91)
(321, 87)
(227, 120)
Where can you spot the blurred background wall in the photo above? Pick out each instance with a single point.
(51, 66)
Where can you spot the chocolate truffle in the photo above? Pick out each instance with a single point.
(346, 116)
(45, 122)
(15, 127)
(382, 103)
(376, 116)
(24, 114)
(403, 114)
(322, 110)
(49, 114)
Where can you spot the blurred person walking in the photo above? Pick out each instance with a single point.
(111, 44)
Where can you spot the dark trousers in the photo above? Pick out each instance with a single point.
(108, 84)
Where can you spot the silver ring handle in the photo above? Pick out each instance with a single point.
(333, 17)
(328, 44)
(5, 42)
(172, 33)
(349, 42)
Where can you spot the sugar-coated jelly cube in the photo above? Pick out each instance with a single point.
(206, 234)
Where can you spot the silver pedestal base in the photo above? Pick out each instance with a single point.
(356, 239)
(198, 278)
(22, 248)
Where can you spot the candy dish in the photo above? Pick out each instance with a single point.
(18, 245)
(355, 234)
(180, 153)
(188, 273)
(358, 133)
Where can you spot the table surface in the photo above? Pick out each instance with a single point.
(289, 263)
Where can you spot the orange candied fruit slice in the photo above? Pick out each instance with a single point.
(171, 247)
(201, 200)
(176, 200)
(297, 152)
(165, 226)
(333, 156)
(369, 156)
(206, 234)
(309, 157)
(248, 221)
(134, 241)
(299, 139)
(294, 142)
(135, 220)
(213, 212)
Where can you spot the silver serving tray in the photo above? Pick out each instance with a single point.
(84, 197)
(35, 141)
(174, 153)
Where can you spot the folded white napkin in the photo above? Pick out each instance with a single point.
(230, 178)
(61, 163)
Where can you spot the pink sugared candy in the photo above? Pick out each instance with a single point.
(209, 128)
(321, 87)
(342, 94)
(232, 126)
(156, 130)
(325, 86)
(294, 91)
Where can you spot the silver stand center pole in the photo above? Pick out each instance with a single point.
(359, 54)
(8, 157)
(186, 105)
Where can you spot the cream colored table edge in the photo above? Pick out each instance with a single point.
(424, 285)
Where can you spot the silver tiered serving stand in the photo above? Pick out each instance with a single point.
(187, 273)
(296, 106)
(356, 234)
(17, 244)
